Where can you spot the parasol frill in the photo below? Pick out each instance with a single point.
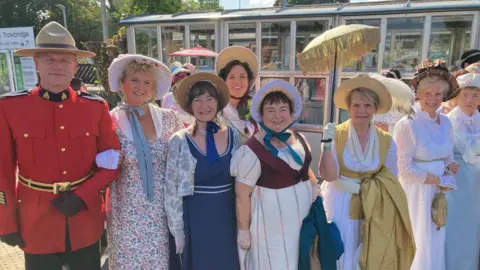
(338, 47)
(197, 51)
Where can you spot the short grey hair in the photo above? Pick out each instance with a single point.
(433, 79)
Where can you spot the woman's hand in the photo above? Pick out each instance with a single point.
(243, 238)
(328, 131)
(109, 159)
(453, 167)
(179, 244)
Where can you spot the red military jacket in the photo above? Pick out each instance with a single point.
(53, 138)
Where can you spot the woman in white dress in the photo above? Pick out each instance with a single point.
(238, 67)
(425, 151)
(272, 187)
(359, 167)
(463, 242)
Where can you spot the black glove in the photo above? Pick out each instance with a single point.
(69, 205)
(13, 239)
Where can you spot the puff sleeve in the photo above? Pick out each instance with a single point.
(245, 166)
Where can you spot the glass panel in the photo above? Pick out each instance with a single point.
(403, 45)
(467, 38)
(276, 46)
(312, 91)
(306, 32)
(242, 34)
(203, 35)
(146, 41)
(369, 61)
(173, 39)
(4, 74)
(448, 36)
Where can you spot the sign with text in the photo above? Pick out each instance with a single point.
(16, 38)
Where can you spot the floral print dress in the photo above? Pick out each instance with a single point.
(137, 228)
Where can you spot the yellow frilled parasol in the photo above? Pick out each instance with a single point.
(338, 47)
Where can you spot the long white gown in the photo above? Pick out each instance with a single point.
(424, 146)
(337, 199)
(463, 241)
(277, 214)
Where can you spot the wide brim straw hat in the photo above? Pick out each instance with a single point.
(162, 73)
(181, 94)
(55, 38)
(363, 81)
(273, 86)
(239, 53)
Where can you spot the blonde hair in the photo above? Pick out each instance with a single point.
(365, 94)
(433, 79)
(135, 67)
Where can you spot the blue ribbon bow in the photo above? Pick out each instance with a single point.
(142, 147)
(282, 136)
(212, 154)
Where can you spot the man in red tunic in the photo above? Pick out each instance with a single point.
(50, 205)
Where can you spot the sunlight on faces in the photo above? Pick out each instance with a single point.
(138, 84)
(430, 93)
(237, 81)
(362, 105)
(276, 111)
(55, 68)
(203, 101)
(469, 99)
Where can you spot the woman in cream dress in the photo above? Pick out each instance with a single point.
(425, 151)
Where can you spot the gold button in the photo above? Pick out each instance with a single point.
(64, 172)
(60, 106)
(63, 149)
(62, 127)
(19, 201)
(87, 134)
(25, 135)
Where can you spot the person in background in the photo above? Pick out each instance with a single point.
(200, 197)
(425, 162)
(136, 218)
(169, 102)
(469, 57)
(50, 204)
(462, 229)
(238, 67)
(272, 186)
(359, 167)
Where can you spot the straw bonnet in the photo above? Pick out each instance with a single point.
(239, 53)
(274, 86)
(162, 72)
(55, 38)
(436, 68)
(181, 95)
(363, 81)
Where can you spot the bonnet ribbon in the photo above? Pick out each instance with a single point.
(282, 136)
(211, 129)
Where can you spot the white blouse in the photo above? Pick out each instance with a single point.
(421, 138)
(466, 134)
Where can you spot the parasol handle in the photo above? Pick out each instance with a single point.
(325, 141)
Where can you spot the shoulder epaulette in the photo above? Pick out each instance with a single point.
(90, 96)
(15, 94)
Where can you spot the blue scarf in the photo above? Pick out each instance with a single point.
(142, 147)
(282, 136)
(212, 154)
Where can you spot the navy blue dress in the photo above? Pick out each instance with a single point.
(209, 215)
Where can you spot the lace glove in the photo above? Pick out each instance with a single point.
(243, 238)
(328, 132)
(448, 181)
(179, 244)
(108, 159)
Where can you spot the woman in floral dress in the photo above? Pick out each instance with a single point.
(136, 217)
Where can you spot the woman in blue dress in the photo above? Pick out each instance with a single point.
(200, 197)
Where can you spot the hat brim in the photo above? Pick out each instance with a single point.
(241, 54)
(449, 78)
(363, 81)
(181, 94)
(33, 51)
(163, 76)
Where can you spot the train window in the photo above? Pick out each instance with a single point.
(242, 34)
(306, 32)
(312, 91)
(369, 61)
(449, 37)
(204, 36)
(146, 41)
(173, 39)
(276, 49)
(403, 45)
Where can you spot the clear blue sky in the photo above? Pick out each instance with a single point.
(234, 4)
